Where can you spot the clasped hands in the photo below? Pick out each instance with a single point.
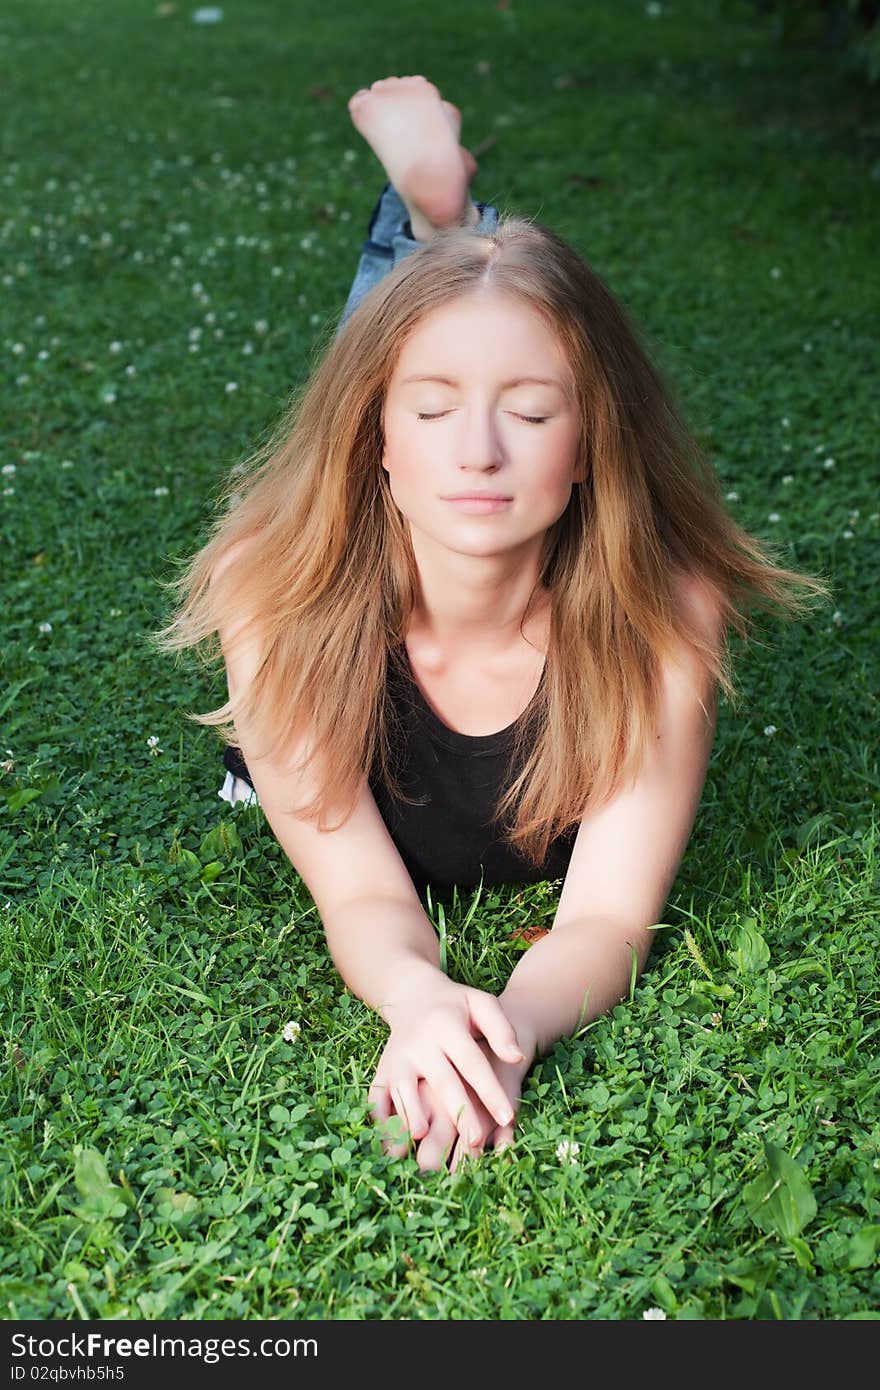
(452, 1072)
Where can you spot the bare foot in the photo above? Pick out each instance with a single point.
(414, 134)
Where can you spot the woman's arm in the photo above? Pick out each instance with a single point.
(624, 863)
(379, 936)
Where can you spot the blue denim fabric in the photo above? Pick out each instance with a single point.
(390, 240)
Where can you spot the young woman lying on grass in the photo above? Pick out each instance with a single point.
(473, 601)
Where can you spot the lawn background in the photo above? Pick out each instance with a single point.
(187, 201)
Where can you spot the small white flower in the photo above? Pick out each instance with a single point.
(231, 387)
(653, 10)
(775, 273)
(45, 627)
(808, 347)
(210, 317)
(774, 516)
(276, 272)
(847, 535)
(770, 730)
(67, 463)
(567, 1151)
(153, 745)
(8, 468)
(115, 613)
(291, 1031)
(247, 350)
(785, 422)
(9, 492)
(195, 334)
(261, 326)
(131, 370)
(715, 1020)
(732, 496)
(18, 349)
(208, 14)
(108, 397)
(160, 491)
(115, 347)
(837, 618)
(788, 478)
(42, 355)
(654, 1315)
(829, 463)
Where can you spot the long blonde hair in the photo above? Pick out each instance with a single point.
(329, 576)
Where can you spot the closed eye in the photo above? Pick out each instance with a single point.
(529, 419)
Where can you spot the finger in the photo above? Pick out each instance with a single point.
(495, 1026)
(434, 1150)
(475, 1068)
(448, 1086)
(387, 1121)
(408, 1106)
(379, 1102)
(501, 1138)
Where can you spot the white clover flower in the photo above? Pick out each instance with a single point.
(276, 271)
(715, 1020)
(785, 422)
(654, 1315)
(108, 397)
(45, 627)
(131, 370)
(829, 463)
(42, 355)
(653, 10)
(22, 380)
(9, 492)
(208, 14)
(18, 349)
(775, 273)
(837, 618)
(153, 745)
(231, 387)
(115, 347)
(847, 535)
(67, 463)
(291, 1031)
(261, 326)
(247, 350)
(567, 1151)
(770, 730)
(732, 496)
(210, 317)
(160, 491)
(8, 469)
(808, 347)
(788, 478)
(774, 516)
(195, 334)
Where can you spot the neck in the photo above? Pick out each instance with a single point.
(469, 604)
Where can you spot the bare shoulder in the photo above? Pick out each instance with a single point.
(700, 605)
(239, 630)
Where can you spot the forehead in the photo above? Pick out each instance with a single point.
(484, 336)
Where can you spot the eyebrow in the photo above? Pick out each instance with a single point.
(506, 386)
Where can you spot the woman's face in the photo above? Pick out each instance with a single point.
(481, 403)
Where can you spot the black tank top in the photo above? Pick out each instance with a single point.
(450, 838)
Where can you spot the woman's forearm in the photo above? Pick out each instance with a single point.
(385, 950)
(571, 976)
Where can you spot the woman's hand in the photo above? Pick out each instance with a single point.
(444, 1145)
(450, 1037)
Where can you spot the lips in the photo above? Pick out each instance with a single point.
(478, 497)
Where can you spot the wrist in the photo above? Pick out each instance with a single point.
(523, 1023)
(413, 984)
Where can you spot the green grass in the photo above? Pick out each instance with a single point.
(165, 1152)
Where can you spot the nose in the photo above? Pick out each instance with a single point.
(480, 448)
